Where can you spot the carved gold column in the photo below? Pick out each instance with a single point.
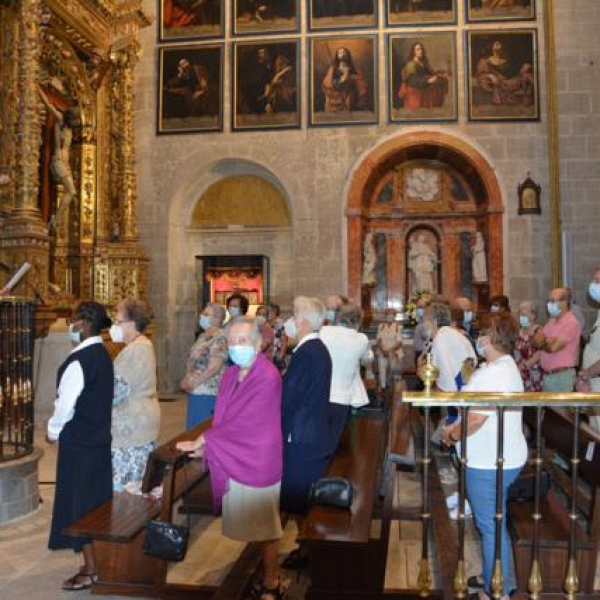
(125, 61)
(25, 236)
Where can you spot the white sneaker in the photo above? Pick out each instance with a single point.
(452, 500)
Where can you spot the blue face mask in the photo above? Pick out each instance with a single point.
(553, 309)
(242, 355)
(420, 314)
(479, 348)
(204, 321)
(330, 315)
(594, 291)
(524, 321)
(467, 317)
(74, 336)
(234, 311)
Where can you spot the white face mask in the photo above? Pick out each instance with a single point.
(261, 320)
(74, 336)
(594, 291)
(290, 328)
(116, 334)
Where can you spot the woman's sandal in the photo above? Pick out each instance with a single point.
(262, 592)
(79, 581)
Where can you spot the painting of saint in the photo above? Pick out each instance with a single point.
(503, 75)
(190, 89)
(422, 77)
(500, 10)
(265, 16)
(190, 19)
(266, 85)
(333, 14)
(343, 81)
(420, 12)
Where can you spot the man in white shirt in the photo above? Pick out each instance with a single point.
(347, 348)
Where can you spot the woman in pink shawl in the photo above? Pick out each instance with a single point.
(243, 449)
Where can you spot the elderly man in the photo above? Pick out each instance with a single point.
(304, 412)
(347, 347)
(559, 342)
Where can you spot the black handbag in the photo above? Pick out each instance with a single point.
(165, 540)
(331, 491)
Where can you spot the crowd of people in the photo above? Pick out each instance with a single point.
(280, 394)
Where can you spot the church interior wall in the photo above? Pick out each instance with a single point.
(315, 165)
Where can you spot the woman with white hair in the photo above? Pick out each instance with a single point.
(526, 356)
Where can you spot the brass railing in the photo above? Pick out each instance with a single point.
(16, 387)
(573, 403)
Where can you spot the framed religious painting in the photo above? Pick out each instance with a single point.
(502, 75)
(342, 14)
(266, 85)
(408, 13)
(251, 17)
(343, 81)
(422, 77)
(190, 84)
(190, 19)
(482, 11)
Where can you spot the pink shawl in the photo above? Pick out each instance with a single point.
(245, 440)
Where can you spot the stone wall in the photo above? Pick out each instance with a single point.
(314, 167)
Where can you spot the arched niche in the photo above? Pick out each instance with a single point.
(244, 200)
(466, 200)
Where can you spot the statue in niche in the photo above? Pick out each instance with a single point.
(479, 260)
(65, 124)
(369, 261)
(422, 262)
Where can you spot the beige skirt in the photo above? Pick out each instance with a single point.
(251, 514)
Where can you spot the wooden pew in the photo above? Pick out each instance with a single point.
(118, 527)
(557, 430)
(347, 557)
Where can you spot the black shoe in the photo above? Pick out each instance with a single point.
(474, 582)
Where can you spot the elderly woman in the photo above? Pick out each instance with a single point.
(136, 412)
(205, 365)
(498, 374)
(526, 356)
(243, 449)
(81, 425)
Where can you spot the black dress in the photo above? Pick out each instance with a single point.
(84, 468)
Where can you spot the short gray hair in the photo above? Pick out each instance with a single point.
(218, 312)
(311, 310)
(529, 306)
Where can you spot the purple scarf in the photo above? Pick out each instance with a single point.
(245, 440)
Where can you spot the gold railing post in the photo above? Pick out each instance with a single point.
(460, 577)
(534, 583)
(572, 577)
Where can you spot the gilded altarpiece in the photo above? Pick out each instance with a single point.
(68, 189)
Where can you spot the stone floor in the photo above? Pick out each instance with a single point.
(30, 571)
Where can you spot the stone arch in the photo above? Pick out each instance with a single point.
(438, 146)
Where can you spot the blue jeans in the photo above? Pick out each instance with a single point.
(200, 407)
(481, 490)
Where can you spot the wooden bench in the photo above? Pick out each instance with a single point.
(347, 557)
(118, 527)
(557, 432)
